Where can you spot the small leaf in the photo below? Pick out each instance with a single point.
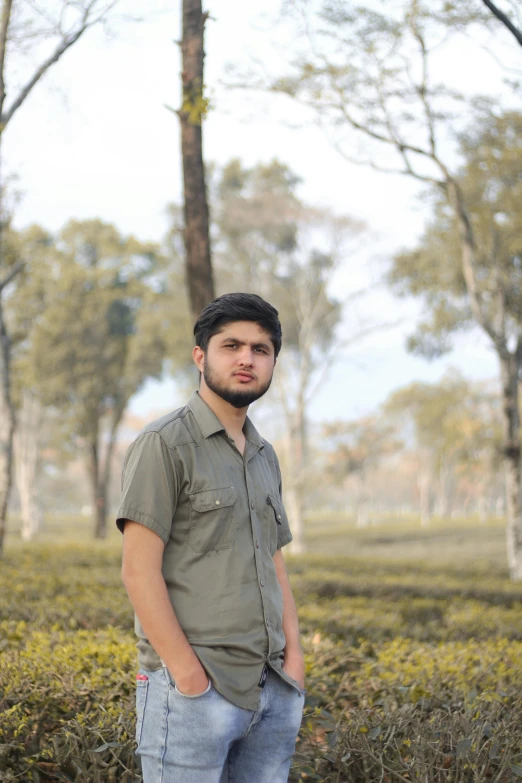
(375, 732)
(517, 769)
(107, 745)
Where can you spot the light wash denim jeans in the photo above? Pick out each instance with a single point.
(207, 739)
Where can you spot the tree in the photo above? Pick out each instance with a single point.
(267, 241)
(65, 24)
(489, 183)
(109, 307)
(368, 71)
(357, 448)
(193, 109)
(504, 18)
(452, 423)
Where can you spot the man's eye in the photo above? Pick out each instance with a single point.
(231, 345)
(261, 350)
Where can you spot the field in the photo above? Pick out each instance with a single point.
(413, 644)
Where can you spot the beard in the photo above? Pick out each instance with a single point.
(235, 397)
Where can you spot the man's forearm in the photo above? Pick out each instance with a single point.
(290, 621)
(291, 624)
(149, 597)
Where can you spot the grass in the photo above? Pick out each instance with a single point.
(413, 642)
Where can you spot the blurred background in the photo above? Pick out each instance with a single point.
(360, 167)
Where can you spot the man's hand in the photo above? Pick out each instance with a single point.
(294, 666)
(294, 659)
(192, 683)
(143, 578)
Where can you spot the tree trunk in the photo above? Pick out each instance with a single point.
(27, 453)
(100, 476)
(444, 490)
(7, 423)
(295, 489)
(294, 505)
(509, 368)
(362, 518)
(482, 507)
(424, 484)
(196, 234)
(98, 491)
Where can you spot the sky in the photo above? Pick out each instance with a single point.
(95, 139)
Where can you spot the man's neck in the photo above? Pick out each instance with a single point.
(233, 419)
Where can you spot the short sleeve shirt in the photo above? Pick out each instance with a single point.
(221, 518)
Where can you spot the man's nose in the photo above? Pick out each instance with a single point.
(246, 356)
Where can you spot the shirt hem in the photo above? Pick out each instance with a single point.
(134, 515)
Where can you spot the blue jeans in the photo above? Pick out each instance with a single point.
(207, 739)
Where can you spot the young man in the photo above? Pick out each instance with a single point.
(220, 689)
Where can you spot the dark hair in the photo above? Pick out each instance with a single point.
(237, 307)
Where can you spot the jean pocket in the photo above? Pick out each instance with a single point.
(172, 686)
(196, 695)
(142, 687)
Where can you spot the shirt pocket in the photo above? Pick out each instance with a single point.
(276, 518)
(212, 519)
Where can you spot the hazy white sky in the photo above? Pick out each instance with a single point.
(95, 140)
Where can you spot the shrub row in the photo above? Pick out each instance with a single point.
(420, 688)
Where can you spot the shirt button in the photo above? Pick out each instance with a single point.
(217, 502)
(257, 544)
(278, 516)
(252, 505)
(268, 623)
(262, 584)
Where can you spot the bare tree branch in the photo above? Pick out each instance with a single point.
(501, 16)
(11, 275)
(422, 90)
(87, 20)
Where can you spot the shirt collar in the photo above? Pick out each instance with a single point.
(206, 418)
(209, 423)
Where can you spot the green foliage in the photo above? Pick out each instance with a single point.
(357, 446)
(195, 105)
(455, 420)
(412, 670)
(491, 182)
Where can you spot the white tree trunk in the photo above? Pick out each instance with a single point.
(6, 425)
(27, 444)
(424, 484)
(444, 490)
(362, 518)
(509, 368)
(294, 506)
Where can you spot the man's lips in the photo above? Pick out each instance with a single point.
(244, 376)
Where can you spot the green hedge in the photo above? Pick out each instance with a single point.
(423, 684)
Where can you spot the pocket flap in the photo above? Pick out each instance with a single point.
(213, 499)
(277, 506)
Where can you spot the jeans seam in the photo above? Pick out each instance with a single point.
(166, 735)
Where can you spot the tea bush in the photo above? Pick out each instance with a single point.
(414, 671)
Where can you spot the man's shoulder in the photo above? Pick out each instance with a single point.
(172, 427)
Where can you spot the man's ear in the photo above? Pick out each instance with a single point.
(199, 357)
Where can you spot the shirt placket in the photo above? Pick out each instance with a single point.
(250, 451)
(257, 538)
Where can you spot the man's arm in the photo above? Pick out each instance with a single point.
(147, 591)
(294, 659)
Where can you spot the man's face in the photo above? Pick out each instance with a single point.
(239, 363)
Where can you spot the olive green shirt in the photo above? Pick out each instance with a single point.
(221, 518)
